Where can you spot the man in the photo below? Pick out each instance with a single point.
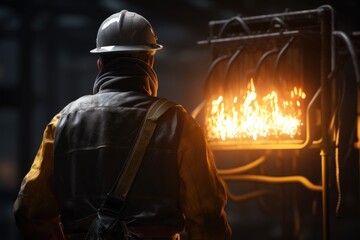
(86, 145)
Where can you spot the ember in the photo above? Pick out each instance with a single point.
(254, 117)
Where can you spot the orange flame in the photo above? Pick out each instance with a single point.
(254, 118)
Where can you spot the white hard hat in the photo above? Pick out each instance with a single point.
(125, 32)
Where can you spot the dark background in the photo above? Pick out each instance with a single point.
(45, 63)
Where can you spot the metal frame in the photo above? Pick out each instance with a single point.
(314, 23)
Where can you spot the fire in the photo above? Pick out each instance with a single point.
(254, 117)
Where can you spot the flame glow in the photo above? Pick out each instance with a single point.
(255, 118)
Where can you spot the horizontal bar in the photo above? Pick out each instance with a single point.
(249, 37)
(265, 145)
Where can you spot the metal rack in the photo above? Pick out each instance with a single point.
(254, 39)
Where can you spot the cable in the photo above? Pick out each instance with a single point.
(261, 60)
(337, 173)
(212, 67)
(278, 20)
(353, 56)
(230, 64)
(244, 168)
(351, 48)
(281, 53)
(270, 179)
(238, 19)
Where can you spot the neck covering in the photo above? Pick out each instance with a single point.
(127, 74)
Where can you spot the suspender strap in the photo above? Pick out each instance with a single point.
(107, 222)
(125, 180)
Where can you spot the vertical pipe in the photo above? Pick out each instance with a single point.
(295, 196)
(325, 207)
(327, 63)
(358, 134)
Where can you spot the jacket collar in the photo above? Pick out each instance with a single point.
(127, 74)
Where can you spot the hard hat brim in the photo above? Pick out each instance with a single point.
(124, 48)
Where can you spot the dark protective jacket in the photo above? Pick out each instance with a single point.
(94, 137)
(176, 185)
